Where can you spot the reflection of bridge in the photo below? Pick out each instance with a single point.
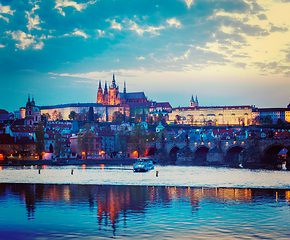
(248, 152)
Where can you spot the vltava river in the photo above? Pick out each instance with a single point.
(113, 202)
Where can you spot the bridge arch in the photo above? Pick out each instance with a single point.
(173, 154)
(270, 155)
(200, 154)
(150, 151)
(232, 155)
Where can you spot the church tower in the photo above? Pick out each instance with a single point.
(32, 113)
(192, 101)
(196, 102)
(100, 94)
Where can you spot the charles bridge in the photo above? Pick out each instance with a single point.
(251, 153)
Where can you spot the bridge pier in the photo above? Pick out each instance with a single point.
(215, 156)
(184, 156)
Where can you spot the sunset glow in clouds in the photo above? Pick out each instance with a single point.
(225, 52)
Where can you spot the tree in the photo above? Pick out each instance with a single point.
(138, 118)
(160, 116)
(50, 148)
(150, 120)
(39, 134)
(268, 120)
(72, 115)
(152, 137)
(85, 141)
(122, 140)
(117, 117)
(59, 149)
(191, 119)
(177, 119)
(56, 115)
(241, 120)
(45, 117)
(83, 116)
(280, 123)
(97, 117)
(256, 121)
(138, 139)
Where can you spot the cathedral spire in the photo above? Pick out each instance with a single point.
(113, 81)
(106, 89)
(192, 101)
(124, 87)
(33, 102)
(100, 93)
(196, 102)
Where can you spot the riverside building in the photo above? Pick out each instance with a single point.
(211, 116)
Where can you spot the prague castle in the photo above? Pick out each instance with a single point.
(109, 101)
(114, 97)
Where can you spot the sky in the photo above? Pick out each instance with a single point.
(226, 52)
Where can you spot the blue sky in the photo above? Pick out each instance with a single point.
(227, 52)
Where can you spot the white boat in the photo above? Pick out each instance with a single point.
(143, 165)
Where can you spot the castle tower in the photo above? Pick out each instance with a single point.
(100, 94)
(114, 97)
(105, 96)
(113, 82)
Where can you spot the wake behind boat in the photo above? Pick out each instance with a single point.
(143, 165)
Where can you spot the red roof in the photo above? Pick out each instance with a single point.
(222, 131)
(23, 128)
(2, 111)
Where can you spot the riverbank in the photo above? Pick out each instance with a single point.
(109, 161)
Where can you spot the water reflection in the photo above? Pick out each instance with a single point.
(112, 204)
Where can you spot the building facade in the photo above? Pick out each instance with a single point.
(274, 113)
(104, 112)
(215, 116)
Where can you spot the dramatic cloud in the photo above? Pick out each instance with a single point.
(80, 33)
(60, 4)
(189, 2)
(174, 22)
(24, 39)
(196, 39)
(4, 10)
(114, 24)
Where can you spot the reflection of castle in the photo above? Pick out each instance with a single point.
(114, 97)
(110, 205)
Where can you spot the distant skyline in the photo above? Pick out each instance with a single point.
(227, 52)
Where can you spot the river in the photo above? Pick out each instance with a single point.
(105, 202)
